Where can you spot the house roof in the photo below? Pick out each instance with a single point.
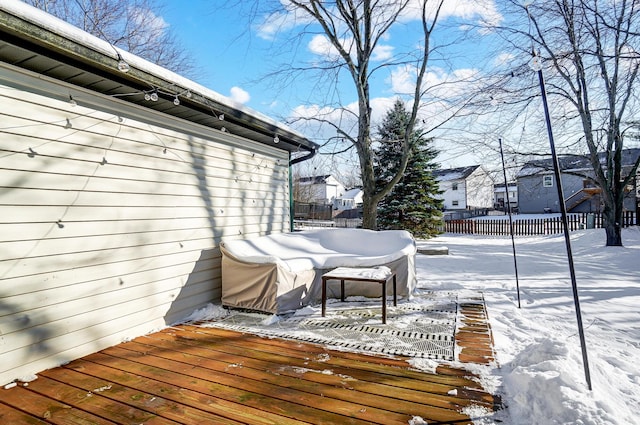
(459, 173)
(34, 40)
(352, 193)
(315, 179)
(574, 163)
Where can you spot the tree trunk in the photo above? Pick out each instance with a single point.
(369, 213)
(613, 229)
(612, 216)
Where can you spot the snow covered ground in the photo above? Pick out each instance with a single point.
(540, 372)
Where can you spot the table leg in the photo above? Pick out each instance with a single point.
(342, 290)
(395, 294)
(384, 302)
(324, 296)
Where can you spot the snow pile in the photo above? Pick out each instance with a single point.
(541, 377)
(324, 248)
(208, 312)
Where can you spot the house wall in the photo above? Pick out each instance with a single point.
(534, 197)
(453, 199)
(323, 193)
(334, 190)
(479, 189)
(111, 218)
(500, 196)
(462, 190)
(329, 190)
(349, 200)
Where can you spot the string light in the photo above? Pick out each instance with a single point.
(122, 65)
(172, 90)
(536, 62)
(152, 94)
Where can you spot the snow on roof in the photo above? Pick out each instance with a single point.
(66, 30)
(573, 163)
(459, 173)
(351, 193)
(323, 179)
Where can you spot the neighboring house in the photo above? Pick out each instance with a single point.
(500, 196)
(113, 204)
(318, 189)
(538, 193)
(351, 199)
(465, 188)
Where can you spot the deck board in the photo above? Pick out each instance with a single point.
(322, 371)
(192, 374)
(380, 403)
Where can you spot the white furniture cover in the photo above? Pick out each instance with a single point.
(283, 272)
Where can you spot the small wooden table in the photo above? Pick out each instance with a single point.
(374, 275)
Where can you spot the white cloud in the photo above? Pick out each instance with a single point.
(382, 52)
(239, 95)
(289, 17)
(274, 23)
(321, 46)
(484, 11)
(380, 106)
(437, 81)
(402, 80)
(155, 26)
(153, 22)
(503, 59)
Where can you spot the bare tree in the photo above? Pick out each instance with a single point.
(303, 175)
(590, 54)
(135, 26)
(354, 30)
(303, 193)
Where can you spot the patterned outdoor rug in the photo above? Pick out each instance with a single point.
(422, 327)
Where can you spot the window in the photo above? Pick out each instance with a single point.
(547, 181)
(454, 186)
(454, 203)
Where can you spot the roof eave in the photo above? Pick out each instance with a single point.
(74, 56)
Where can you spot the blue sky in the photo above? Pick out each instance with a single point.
(214, 37)
(233, 52)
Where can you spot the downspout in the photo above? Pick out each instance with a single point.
(297, 160)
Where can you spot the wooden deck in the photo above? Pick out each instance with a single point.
(194, 375)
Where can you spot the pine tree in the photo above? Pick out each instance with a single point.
(412, 204)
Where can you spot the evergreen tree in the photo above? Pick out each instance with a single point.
(412, 204)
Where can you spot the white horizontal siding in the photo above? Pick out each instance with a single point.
(111, 216)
